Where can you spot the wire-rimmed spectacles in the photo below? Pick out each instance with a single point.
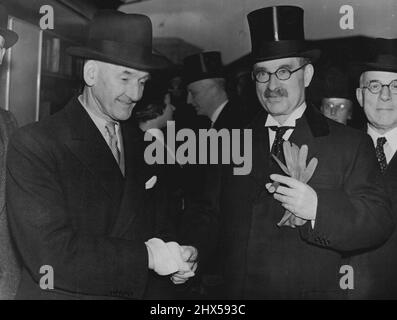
(263, 76)
(376, 86)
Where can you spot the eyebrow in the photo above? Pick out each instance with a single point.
(129, 73)
(282, 66)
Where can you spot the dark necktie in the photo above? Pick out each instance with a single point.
(277, 146)
(380, 153)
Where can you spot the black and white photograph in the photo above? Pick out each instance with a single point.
(194, 156)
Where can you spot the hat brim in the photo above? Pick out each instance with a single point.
(312, 54)
(359, 67)
(147, 63)
(9, 36)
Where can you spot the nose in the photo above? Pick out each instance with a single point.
(135, 91)
(333, 110)
(385, 93)
(273, 82)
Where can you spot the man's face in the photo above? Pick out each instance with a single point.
(281, 97)
(380, 108)
(199, 95)
(118, 89)
(337, 109)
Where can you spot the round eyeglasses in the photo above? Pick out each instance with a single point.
(376, 86)
(263, 76)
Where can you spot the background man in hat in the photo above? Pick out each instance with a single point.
(206, 85)
(336, 103)
(9, 269)
(376, 271)
(81, 199)
(343, 206)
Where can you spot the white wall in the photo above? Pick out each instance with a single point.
(221, 24)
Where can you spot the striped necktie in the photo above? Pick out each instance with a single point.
(113, 144)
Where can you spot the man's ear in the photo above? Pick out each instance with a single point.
(308, 74)
(91, 71)
(359, 96)
(2, 53)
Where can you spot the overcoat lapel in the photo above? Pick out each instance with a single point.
(88, 145)
(137, 173)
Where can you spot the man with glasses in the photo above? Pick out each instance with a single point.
(376, 276)
(343, 206)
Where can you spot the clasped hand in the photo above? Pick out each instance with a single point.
(172, 259)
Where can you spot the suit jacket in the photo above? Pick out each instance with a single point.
(232, 116)
(262, 261)
(9, 268)
(376, 270)
(70, 208)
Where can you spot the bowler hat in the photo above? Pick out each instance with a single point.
(204, 65)
(383, 57)
(123, 39)
(278, 32)
(9, 36)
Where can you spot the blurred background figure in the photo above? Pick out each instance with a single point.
(337, 102)
(206, 85)
(9, 268)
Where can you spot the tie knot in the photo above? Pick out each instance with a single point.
(381, 141)
(280, 130)
(111, 128)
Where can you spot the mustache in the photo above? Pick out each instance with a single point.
(278, 92)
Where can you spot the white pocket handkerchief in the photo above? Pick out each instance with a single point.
(150, 183)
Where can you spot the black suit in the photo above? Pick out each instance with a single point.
(263, 261)
(232, 116)
(376, 270)
(70, 207)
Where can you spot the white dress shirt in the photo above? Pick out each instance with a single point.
(390, 146)
(217, 112)
(291, 122)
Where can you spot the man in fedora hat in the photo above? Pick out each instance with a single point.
(206, 85)
(9, 268)
(87, 213)
(342, 207)
(376, 271)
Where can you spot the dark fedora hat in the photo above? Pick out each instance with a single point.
(382, 57)
(278, 32)
(203, 65)
(123, 39)
(9, 36)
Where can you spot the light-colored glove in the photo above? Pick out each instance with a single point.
(161, 260)
(295, 159)
(188, 254)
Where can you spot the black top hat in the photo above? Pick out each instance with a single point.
(336, 83)
(9, 36)
(204, 65)
(383, 57)
(122, 39)
(278, 32)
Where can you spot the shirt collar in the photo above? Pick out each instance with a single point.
(391, 137)
(291, 121)
(99, 122)
(217, 112)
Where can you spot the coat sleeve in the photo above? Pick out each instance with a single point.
(358, 215)
(44, 235)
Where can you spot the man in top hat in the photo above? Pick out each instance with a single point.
(9, 269)
(343, 207)
(206, 85)
(86, 212)
(336, 103)
(376, 271)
